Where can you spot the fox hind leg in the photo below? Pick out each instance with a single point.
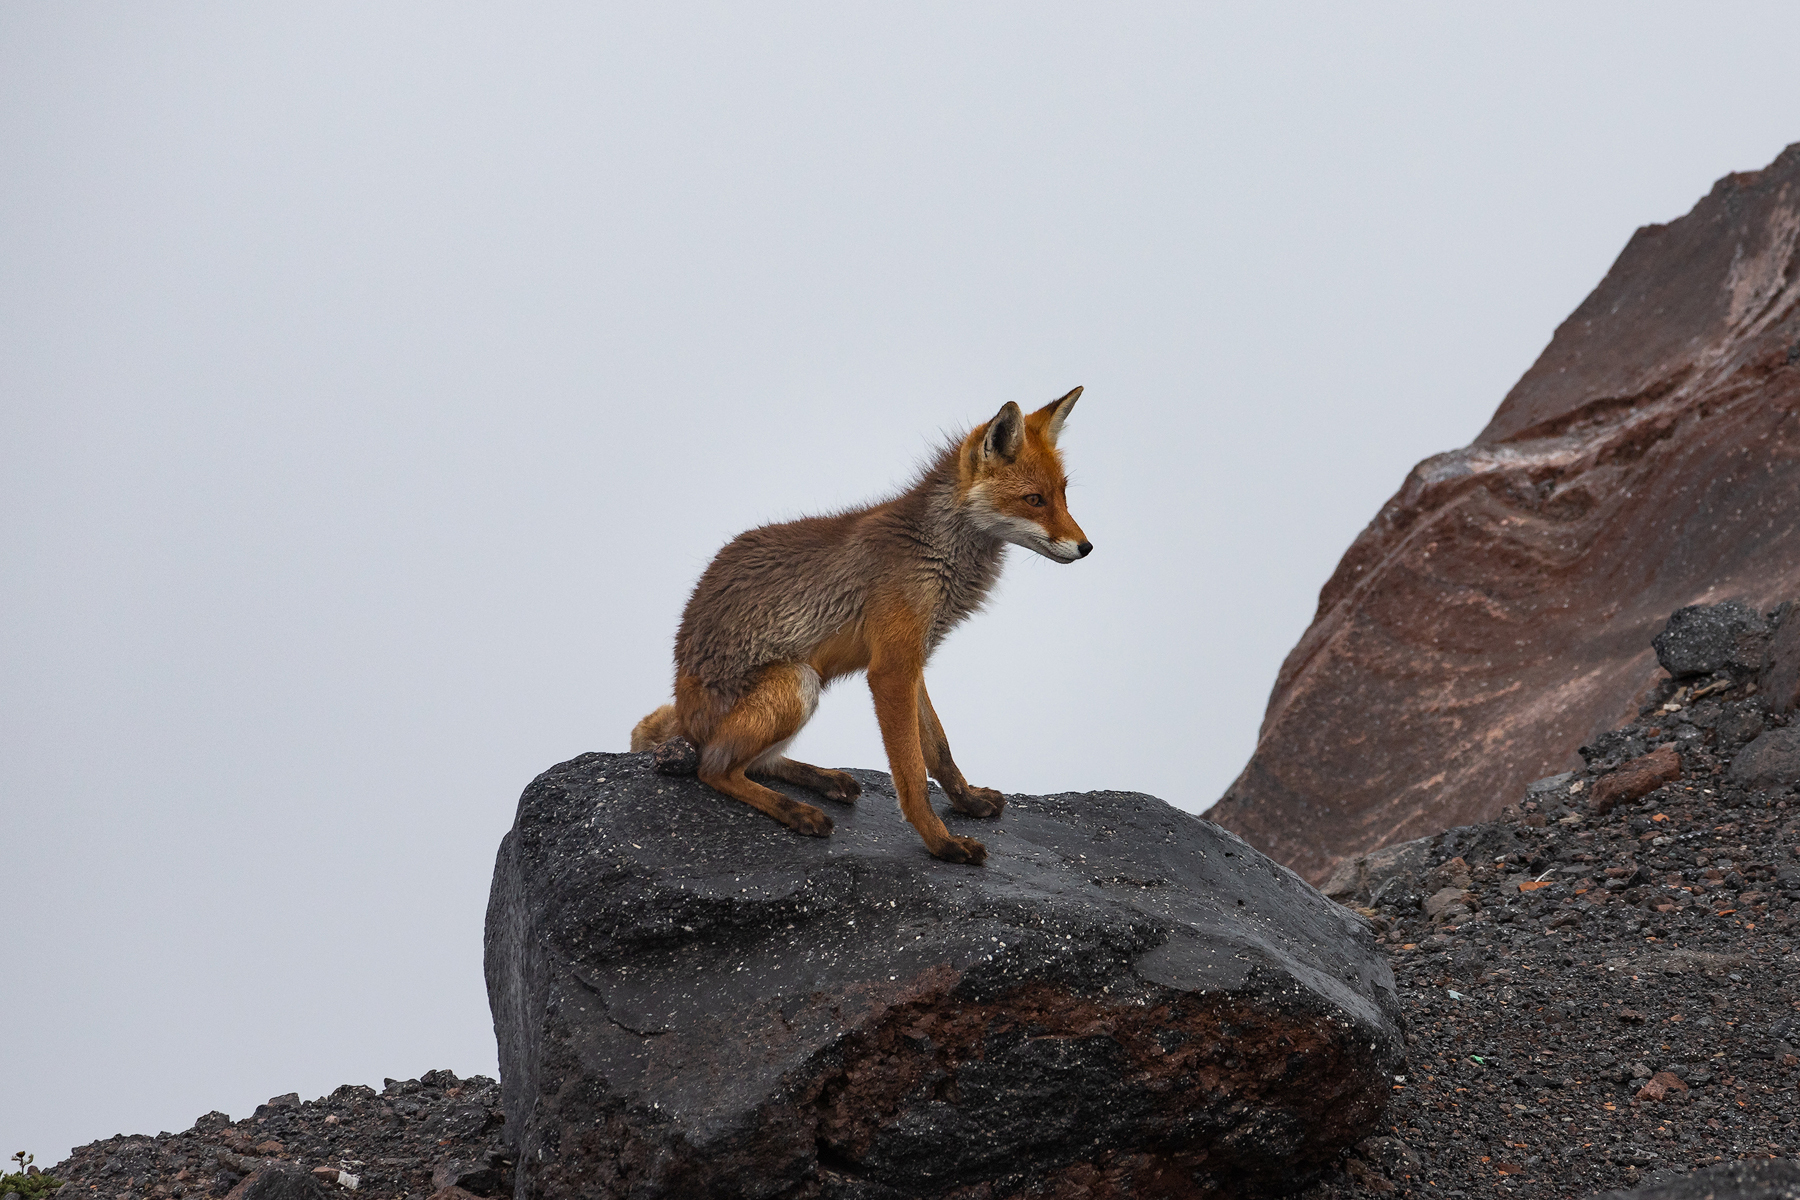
(764, 719)
(833, 785)
(773, 763)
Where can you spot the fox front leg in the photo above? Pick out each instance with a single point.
(965, 797)
(896, 673)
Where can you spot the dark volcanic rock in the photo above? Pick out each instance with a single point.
(356, 1141)
(1772, 761)
(692, 1001)
(1703, 638)
(1768, 1179)
(677, 756)
(1780, 677)
(479, 1177)
(279, 1181)
(1371, 878)
(1498, 611)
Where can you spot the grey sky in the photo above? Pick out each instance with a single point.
(375, 381)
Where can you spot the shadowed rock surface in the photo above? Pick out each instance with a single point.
(689, 1000)
(1775, 1179)
(1771, 761)
(279, 1181)
(1498, 611)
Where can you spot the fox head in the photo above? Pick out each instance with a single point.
(1013, 483)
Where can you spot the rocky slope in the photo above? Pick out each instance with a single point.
(1600, 987)
(414, 1138)
(1496, 614)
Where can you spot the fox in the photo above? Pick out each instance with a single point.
(785, 610)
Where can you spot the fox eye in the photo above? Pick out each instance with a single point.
(1035, 500)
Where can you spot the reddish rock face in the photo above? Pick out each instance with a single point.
(1636, 779)
(1498, 611)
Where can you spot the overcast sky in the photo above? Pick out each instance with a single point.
(375, 380)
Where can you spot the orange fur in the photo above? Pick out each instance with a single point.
(871, 590)
(655, 729)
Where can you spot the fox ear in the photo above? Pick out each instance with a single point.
(1005, 433)
(1053, 414)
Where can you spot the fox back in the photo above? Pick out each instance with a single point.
(778, 593)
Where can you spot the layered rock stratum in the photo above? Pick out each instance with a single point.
(1497, 613)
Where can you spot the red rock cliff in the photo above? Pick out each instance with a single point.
(1498, 611)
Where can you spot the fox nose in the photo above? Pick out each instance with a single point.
(1084, 549)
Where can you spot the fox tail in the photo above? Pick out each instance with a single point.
(655, 729)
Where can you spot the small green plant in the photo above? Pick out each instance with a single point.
(29, 1182)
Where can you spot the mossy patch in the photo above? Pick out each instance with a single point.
(28, 1182)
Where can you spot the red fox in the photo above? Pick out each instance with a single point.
(785, 609)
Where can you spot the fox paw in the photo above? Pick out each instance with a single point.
(978, 802)
(962, 850)
(804, 818)
(842, 787)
